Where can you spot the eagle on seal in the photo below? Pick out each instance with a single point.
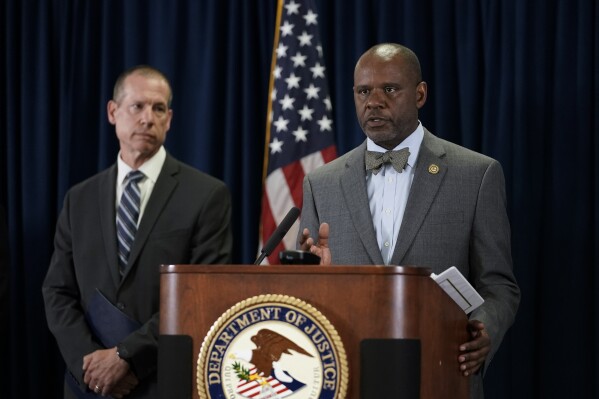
(270, 346)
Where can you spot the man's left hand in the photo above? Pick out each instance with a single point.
(474, 352)
(104, 370)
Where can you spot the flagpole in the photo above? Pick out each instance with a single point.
(271, 84)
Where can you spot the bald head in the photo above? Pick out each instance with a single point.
(390, 51)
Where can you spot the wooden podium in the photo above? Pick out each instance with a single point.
(361, 302)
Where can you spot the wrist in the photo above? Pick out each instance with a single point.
(122, 353)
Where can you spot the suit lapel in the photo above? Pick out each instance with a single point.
(106, 203)
(159, 198)
(422, 193)
(353, 185)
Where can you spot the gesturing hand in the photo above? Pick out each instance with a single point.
(321, 248)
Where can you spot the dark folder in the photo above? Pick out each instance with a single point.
(108, 323)
(110, 326)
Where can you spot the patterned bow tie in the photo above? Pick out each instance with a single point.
(375, 159)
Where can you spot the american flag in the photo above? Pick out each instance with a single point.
(299, 130)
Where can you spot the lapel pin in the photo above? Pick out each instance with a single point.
(433, 169)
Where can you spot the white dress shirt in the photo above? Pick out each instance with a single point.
(151, 169)
(388, 193)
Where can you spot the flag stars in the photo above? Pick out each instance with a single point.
(292, 8)
(282, 50)
(276, 146)
(299, 60)
(277, 72)
(317, 71)
(306, 113)
(325, 124)
(287, 102)
(312, 91)
(293, 81)
(281, 124)
(327, 103)
(305, 39)
(310, 18)
(319, 49)
(300, 134)
(287, 29)
(273, 94)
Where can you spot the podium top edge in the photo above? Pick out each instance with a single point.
(295, 269)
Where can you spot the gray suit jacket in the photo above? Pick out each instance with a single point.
(456, 217)
(186, 220)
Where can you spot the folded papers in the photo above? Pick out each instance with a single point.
(459, 289)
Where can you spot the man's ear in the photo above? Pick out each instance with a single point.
(421, 91)
(170, 118)
(111, 108)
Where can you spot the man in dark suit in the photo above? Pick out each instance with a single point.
(432, 203)
(181, 216)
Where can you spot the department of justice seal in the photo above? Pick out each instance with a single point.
(270, 347)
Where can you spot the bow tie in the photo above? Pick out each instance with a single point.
(375, 159)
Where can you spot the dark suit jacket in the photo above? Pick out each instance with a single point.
(186, 220)
(456, 217)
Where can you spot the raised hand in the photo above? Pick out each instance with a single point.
(320, 248)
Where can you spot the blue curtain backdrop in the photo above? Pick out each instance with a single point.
(516, 80)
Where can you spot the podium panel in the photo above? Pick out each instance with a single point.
(363, 303)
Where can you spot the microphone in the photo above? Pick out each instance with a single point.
(278, 234)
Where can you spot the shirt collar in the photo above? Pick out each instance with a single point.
(151, 168)
(413, 142)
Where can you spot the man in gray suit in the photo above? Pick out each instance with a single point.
(175, 214)
(432, 203)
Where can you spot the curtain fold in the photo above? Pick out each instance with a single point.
(516, 80)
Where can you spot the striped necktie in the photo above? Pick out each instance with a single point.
(126, 217)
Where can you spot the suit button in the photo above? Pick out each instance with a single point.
(120, 305)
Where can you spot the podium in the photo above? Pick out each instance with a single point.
(372, 308)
